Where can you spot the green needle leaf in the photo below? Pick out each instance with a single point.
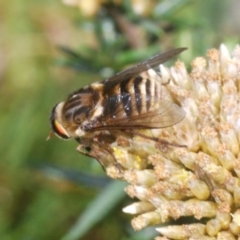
(97, 210)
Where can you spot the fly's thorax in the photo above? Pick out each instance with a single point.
(82, 108)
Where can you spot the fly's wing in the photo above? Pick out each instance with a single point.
(164, 114)
(119, 110)
(141, 67)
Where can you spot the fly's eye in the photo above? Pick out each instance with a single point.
(59, 130)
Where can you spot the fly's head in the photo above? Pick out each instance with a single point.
(62, 127)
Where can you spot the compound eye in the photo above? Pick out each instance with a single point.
(59, 130)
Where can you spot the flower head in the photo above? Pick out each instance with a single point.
(202, 180)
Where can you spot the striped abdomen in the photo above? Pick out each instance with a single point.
(131, 97)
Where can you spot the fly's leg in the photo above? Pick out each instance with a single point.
(106, 148)
(103, 147)
(82, 149)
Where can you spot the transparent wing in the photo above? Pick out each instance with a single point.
(165, 114)
(141, 67)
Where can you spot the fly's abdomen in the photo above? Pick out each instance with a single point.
(132, 97)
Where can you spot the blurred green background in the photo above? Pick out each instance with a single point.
(49, 49)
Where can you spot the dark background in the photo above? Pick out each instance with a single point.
(47, 50)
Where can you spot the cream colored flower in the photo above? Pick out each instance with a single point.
(89, 8)
(92, 7)
(202, 180)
